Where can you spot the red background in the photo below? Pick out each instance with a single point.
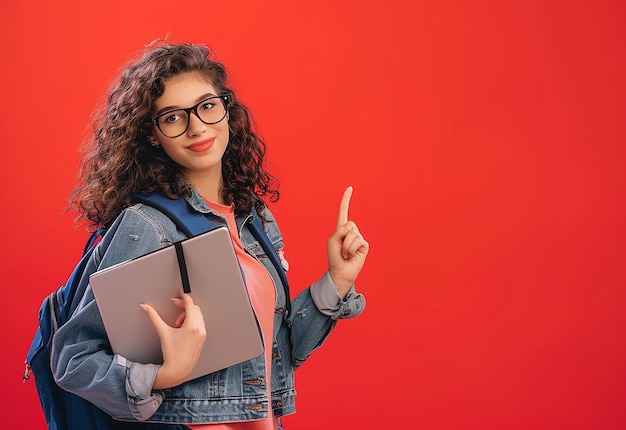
(485, 141)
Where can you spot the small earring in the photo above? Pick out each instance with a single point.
(153, 141)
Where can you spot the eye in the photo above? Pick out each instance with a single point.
(207, 105)
(172, 117)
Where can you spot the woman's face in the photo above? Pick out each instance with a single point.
(200, 148)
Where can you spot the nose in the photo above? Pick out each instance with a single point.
(196, 127)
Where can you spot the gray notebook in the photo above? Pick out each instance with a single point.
(216, 285)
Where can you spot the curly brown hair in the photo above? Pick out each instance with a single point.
(119, 161)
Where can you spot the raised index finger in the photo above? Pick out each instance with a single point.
(342, 219)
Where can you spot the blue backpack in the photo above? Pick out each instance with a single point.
(67, 411)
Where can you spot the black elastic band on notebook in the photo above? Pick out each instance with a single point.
(182, 267)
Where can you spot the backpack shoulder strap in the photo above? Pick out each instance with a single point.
(256, 228)
(192, 223)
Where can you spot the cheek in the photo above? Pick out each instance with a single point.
(227, 130)
(169, 149)
(225, 136)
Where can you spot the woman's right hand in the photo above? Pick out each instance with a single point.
(181, 345)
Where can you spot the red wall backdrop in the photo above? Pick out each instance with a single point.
(485, 141)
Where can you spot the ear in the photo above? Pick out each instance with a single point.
(153, 140)
(148, 132)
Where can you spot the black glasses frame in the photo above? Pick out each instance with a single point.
(224, 99)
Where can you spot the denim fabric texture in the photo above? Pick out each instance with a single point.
(83, 363)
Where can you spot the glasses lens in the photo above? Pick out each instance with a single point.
(211, 110)
(173, 123)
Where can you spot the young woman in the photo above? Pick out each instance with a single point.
(172, 125)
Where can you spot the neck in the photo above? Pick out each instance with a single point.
(209, 185)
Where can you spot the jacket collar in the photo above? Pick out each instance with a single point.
(197, 202)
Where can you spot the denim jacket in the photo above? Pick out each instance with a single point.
(83, 363)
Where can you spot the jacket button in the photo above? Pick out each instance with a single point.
(279, 310)
(274, 355)
(279, 404)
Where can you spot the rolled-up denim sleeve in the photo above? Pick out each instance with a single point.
(312, 320)
(325, 297)
(143, 402)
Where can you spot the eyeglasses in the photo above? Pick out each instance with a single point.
(175, 122)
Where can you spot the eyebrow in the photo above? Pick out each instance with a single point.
(198, 100)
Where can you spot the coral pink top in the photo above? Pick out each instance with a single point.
(263, 297)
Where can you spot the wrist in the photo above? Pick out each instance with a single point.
(165, 378)
(342, 285)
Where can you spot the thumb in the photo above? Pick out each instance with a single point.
(154, 317)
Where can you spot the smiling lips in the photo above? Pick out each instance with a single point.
(202, 146)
